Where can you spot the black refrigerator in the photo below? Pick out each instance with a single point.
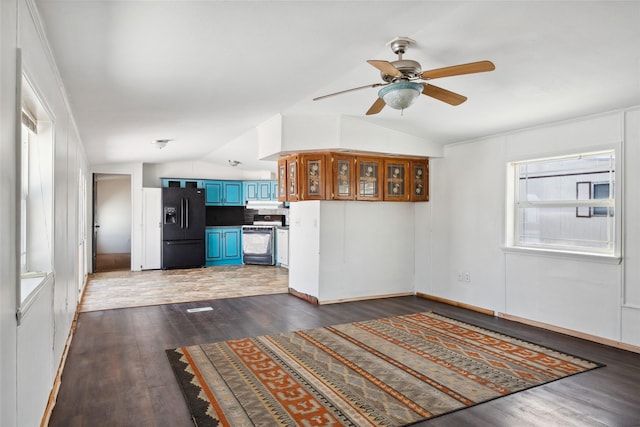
(183, 227)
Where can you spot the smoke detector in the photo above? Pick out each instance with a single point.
(160, 143)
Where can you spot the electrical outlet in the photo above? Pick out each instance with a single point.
(460, 276)
(467, 277)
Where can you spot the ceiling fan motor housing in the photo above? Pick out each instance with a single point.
(409, 69)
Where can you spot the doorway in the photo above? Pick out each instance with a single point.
(111, 222)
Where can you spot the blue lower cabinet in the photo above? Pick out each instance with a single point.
(223, 246)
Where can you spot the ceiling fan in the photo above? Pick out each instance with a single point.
(400, 87)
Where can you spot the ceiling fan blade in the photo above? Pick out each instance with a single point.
(386, 67)
(456, 70)
(377, 106)
(349, 90)
(443, 94)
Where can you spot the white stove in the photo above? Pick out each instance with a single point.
(258, 239)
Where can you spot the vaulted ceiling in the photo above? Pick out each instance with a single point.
(206, 73)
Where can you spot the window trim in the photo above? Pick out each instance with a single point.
(511, 209)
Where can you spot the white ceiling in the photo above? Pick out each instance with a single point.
(206, 73)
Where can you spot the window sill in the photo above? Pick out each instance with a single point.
(30, 286)
(577, 256)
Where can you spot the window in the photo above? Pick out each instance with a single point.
(601, 191)
(36, 195)
(564, 204)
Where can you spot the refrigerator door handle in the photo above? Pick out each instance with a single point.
(180, 242)
(181, 213)
(186, 205)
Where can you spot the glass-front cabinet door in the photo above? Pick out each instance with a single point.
(343, 183)
(396, 180)
(292, 179)
(420, 180)
(369, 178)
(282, 180)
(312, 167)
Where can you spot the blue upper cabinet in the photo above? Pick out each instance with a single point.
(250, 190)
(223, 193)
(213, 193)
(232, 192)
(182, 183)
(260, 191)
(264, 190)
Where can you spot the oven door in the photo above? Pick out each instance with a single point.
(257, 245)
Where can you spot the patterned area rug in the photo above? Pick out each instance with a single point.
(386, 372)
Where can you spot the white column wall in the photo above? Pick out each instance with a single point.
(343, 250)
(304, 247)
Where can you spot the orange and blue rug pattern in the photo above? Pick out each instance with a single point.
(386, 372)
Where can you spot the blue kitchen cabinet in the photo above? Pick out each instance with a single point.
(223, 246)
(223, 193)
(260, 191)
(182, 183)
(264, 190)
(250, 189)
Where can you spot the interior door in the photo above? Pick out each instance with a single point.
(112, 222)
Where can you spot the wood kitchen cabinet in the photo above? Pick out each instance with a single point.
(419, 181)
(396, 180)
(342, 185)
(312, 176)
(369, 178)
(289, 187)
(352, 176)
(282, 179)
(293, 186)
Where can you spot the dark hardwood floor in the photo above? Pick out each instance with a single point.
(117, 373)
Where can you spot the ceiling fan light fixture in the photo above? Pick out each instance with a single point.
(400, 95)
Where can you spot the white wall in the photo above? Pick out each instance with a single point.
(630, 325)
(298, 133)
(342, 250)
(31, 352)
(467, 208)
(8, 217)
(153, 172)
(601, 298)
(304, 247)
